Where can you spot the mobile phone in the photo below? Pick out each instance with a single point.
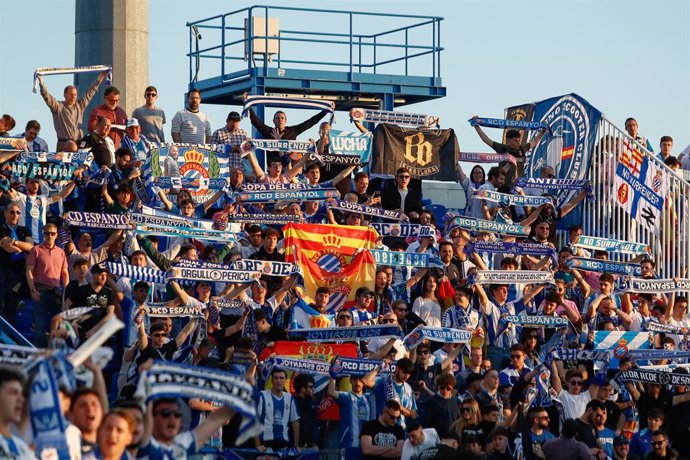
(376, 194)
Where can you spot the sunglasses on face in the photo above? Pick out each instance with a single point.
(161, 334)
(404, 177)
(576, 382)
(658, 443)
(15, 212)
(151, 94)
(515, 356)
(403, 310)
(165, 413)
(50, 233)
(388, 321)
(424, 352)
(394, 417)
(466, 409)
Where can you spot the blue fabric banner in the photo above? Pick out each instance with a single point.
(573, 122)
(349, 143)
(349, 333)
(605, 266)
(507, 124)
(404, 230)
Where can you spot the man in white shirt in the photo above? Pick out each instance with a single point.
(418, 440)
(574, 399)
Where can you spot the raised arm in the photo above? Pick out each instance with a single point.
(185, 332)
(569, 206)
(534, 142)
(211, 424)
(482, 135)
(258, 172)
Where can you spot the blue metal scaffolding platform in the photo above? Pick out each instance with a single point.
(356, 59)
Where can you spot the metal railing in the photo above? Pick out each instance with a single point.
(351, 41)
(604, 218)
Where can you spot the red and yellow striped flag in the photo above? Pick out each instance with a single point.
(329, 246)
(567, 153)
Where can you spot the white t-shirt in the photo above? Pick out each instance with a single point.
(428, 310)
(410, 452)
(574, 405)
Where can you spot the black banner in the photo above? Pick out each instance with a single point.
(519, 112)
(659, 377)
(431, 154)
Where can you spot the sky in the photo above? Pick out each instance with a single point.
(627, 58)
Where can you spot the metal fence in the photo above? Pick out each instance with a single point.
(346, 41)
(603, 218)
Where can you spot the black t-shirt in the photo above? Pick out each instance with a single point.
(428, 375)
(382, 435)
(613, 413)
(439, 452)
(99, 148)
(166, 352)
(646, 403)
(274, 334)
(586, 433)
(86, 296)
(14, 261)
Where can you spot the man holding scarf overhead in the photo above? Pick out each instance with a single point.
(513, 147)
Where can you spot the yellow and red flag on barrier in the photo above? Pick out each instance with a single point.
(329, 246)
(360, 272)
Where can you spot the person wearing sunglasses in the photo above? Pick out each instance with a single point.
(468, 423)
(362, 312)
(398, 383)
(162, 437)
(151, 117)
(426, 370)
(442, 409)
(573, 397)
(46, 275)
(661, 448)
(383, 437)
(401, 196)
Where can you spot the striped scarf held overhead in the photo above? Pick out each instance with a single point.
(287, 102)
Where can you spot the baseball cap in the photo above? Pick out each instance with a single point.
(98, 268)
(132, 122)
(234, 116)
(620, 439)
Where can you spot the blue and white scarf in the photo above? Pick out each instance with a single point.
(187, 232)
(552, 184)
(71, 158)
(107, 330)
(604, 266)
(348, 367)
(17, 355)
(268, 268)
(72, 70)
(98, 220)
(368, 210)
(573, 354)
(436, 334)
(503, 247)
(304, 194)
(511, 277)
(405, 259)
(210, 183)
(286, 102)
(508, 124)
(43, 171)
(653, 376)
(166, 380)
(149, 275)
(480, 225)
(303, 366)
(396, 118)
(326, 158)
(656, 354)
(262, 219)
(611, 245)
(279, 145)
(471, 157)
(210, 274)
(349, 333)
(160, 310)
(404, 230)
(45, 412)
(655, 286)
(536, 321)
(506, 199)
(655, 326)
